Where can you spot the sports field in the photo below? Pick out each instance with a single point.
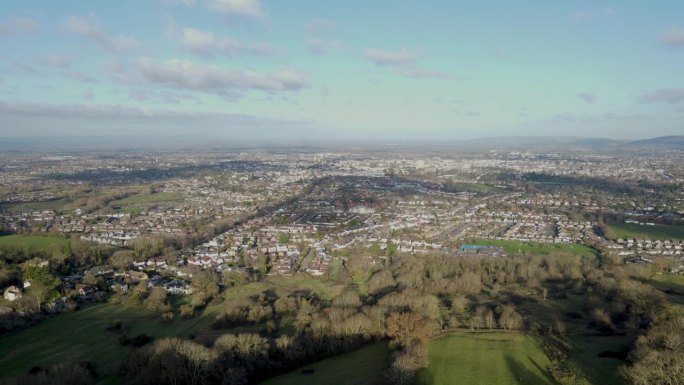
(517, 247)
(637, 231)
(33, 241)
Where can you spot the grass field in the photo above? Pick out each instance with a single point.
(57, 204)
(486, 359)
(365, 366)
(83, 336)
(34, 241)
(515, 247)
(633, 230)
(144, 199)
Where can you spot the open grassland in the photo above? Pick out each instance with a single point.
(34, 241)
(365, 366)
(57, 204)
(586, 356)
(585, 348)
(517, 247)
(495, 358)
(144, 199)
(655, 232)
(83, 336)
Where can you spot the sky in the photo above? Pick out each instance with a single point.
(311, 69)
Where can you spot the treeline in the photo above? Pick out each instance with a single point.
(406, 301)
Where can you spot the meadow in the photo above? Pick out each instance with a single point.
(365, 366)
(83, 336)
(496, 358)
(39, 243)
(517, 247)
(637, 231)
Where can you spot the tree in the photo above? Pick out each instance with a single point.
(380, 280)
(42, 283)
(659, 355)
(156, 301)
(509, 318)
(171, 361)
(405, 329)
(206, 285)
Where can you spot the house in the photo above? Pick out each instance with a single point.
(177, 287)
(12, 293)
(101, 270)
(86, 290)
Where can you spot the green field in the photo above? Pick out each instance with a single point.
(585, 348)
(365, 366)
(33, 241)
(57, 204)
(83, 336)
(144, 199)
(655, 232)
(495, 358)
(515, 247)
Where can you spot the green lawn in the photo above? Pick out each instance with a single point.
(143, 199)
(633, 230)
(515, 247)
(585, 348)
(599, 370)
(35, 241)
(495, 358)
(365, 366)
(57, 204)
(82, 336)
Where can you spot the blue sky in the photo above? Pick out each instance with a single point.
(433, 70)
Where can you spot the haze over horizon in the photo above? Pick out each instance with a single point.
(260, 69)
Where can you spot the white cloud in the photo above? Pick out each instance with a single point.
(322, 46)
(90, 29)
(57, 60)
(404, 64)
(18, 25)
(189, 75)
(40, 119)
(587, 97)
(206, 44)
(390, 58)
(674, 37)
(593, 13)
(418, 73)
(245, 8)
(664, 95)
(318, 25)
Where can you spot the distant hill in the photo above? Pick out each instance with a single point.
(675, 142)
(574, 143)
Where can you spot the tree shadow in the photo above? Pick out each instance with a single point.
(524, 375)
